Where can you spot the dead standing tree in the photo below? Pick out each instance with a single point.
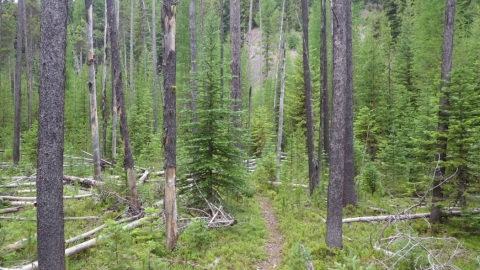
(169, 119)
(97, 170)
(118, 89)
(51, 93)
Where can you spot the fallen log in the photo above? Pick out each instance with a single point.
(82, 246)
(289, 184)
(13, 185)
(82, 181)
(9, 210)
(16, 246)
(21, 203)
(144, 177)
(34, 219)
(407, 216)
(14, 198)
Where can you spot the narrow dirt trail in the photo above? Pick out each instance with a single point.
(273, 246)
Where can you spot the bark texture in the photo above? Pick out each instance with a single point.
(50, 232)
(169, 120)
(333, 236)
(97, 170)
(307, 84)
(118, 88)
(349, 195)
(18, 85)
(235, 54)
(447, 50)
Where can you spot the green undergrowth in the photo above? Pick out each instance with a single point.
(301, 223)
(239, 246)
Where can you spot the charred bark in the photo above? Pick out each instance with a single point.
(50, 230)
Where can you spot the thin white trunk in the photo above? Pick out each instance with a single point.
(280, 42)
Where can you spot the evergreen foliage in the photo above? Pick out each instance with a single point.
(211, 156)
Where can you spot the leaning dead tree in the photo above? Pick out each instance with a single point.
(97, 170)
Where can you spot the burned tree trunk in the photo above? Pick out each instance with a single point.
(104, 86)
(118, 88)
(333, 237)
(324, 135)
(51, 93)
(169, 120)
(97, 170)
(154, 68)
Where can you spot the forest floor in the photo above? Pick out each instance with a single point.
(273, 246)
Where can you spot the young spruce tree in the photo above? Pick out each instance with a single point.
(210, 152)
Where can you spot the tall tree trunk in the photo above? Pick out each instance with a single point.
(154, 67)
(193, 59)
(235, 54)
(118, 88)
(169, 120)
(324, 135)
(280, 113)
(97, 170)
(222, 41)
(17, 121)
(338, 19)
(28, 69)
(261, 54)
(132, 4)
(447, 49)
(280, 43)
(312, 167)
(51, 93)
(104, 85)
(349, 195)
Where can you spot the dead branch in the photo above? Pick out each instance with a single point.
(398, 217)
(308, 263)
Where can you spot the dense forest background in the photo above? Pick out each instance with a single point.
(397, 60)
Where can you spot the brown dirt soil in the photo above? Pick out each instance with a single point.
(273, 246)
